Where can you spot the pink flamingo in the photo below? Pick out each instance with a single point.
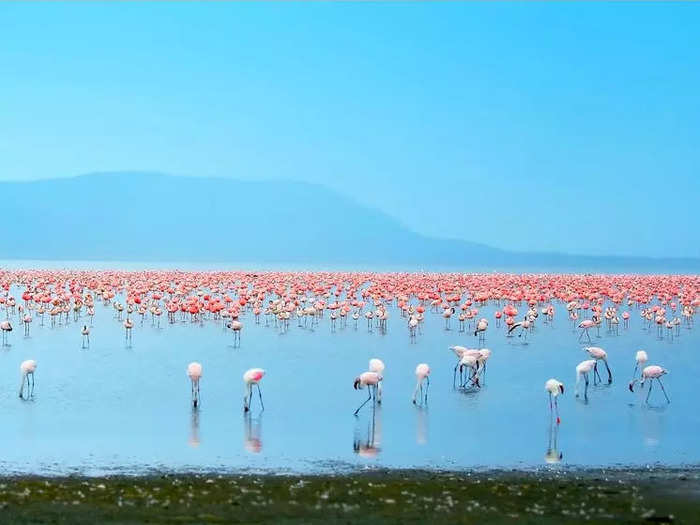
(599, 355)
(422, 375)
(85, 331)
(554, 387)
(369, 380)
(586, 325)
(236, 326)
(651, 372)
(582, 371)
(194, 372)
(481, 327)
(128, 325)
(27, 369)
(524, 325)
(252, 377)
(27, 320)
(6, 328)
(471, 362)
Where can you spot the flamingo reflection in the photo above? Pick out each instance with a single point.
(369, 445)
(421, 425)
(252, 440)
(194, 428)
(553, 454)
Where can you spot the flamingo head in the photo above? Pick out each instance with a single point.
(357, 385)
(561, 388)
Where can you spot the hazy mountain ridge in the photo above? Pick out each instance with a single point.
(156, 217)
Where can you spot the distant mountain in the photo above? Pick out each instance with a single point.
(156, 217)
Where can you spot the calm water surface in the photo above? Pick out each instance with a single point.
(113, 408)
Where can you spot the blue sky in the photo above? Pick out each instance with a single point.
(567, 127)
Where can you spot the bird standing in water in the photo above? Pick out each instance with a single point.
(369, 380)
(422, 376)
(27, 369)
(555, 388)
(250, 378)
(194, 372)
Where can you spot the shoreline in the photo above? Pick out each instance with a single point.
(501, 496)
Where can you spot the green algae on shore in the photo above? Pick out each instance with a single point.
(372, 497)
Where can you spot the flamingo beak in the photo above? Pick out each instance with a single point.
(561, 389)
(356, 383)
(631, 386)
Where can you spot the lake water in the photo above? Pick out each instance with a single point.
(112, 408)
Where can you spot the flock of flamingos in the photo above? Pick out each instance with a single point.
(662, 304)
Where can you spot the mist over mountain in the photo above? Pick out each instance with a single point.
(157, 217)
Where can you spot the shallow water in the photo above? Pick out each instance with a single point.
(111, 408)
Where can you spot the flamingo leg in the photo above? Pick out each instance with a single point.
(369, 396)
(663, 390)
(607, 367)
(262, 407)
(585, 393)
(427, 385)
(651, 383)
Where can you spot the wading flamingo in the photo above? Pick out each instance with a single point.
(250, 378)
(599, 355)
(651, 372)
(85, 331)
(422, 375)
(481, 327)
(128, 325)
(27, 369)
(585, 325)
(555, 388)
(369, 380)
(194, 372)
(6, 328)
(582, 371)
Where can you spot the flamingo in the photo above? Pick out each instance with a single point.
(27, 369)
(369, 380)
(582, 371)
(651, 372)
(6, 328)
(85, 331)
(252, 377)
(377, 366)
(599, 355)
(422, 375)
(128, 325)
(471, 362)
(412, 325)
(586, 325)
(554, 387)
(27, 319)
(447, 313)
(236, 326)
(524, 325)
(481, 327)
(194, 372)
(369, 315)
